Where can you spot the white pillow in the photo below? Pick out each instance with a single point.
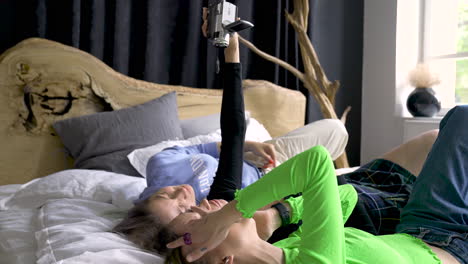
(204, 125)
(256, 131)
(140, 157)
(77, 231)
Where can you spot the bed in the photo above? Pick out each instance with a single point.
(59, 102)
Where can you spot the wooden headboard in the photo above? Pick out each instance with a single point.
(75, 83)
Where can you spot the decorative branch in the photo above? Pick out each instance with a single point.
(313, 77)
(273, 59)
(345, 114)
(307, 46)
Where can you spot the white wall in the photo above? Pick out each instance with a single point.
(391, 38)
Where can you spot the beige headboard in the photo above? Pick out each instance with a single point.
(84, 84)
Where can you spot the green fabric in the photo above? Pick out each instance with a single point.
(348, 199)
(322, 237)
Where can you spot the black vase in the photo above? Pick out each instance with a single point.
(423, 102)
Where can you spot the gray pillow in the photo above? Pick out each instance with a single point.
(200, 125)
(103, 140)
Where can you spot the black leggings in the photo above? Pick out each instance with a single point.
(229, 173)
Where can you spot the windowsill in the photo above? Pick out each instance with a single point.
(434, 119)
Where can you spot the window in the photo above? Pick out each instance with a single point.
(445, 47)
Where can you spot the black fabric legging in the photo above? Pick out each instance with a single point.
(229, 173)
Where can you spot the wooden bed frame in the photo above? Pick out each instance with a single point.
(42, 81)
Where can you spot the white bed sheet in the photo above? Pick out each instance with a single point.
(66, 217)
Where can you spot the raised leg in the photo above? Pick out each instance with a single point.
(412, 154)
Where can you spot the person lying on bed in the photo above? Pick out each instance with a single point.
(156, 207)
(433, 227)
(377, 211)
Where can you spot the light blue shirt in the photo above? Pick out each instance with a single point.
(195, 165)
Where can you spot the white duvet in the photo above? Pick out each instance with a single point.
(66, 217)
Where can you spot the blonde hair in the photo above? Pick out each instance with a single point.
(146, 230)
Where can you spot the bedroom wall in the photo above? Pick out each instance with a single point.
(380, 127)
(391, 37)
(151, 36)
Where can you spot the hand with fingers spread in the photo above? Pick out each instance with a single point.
(207, 232)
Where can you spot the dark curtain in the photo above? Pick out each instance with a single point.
(160, 41)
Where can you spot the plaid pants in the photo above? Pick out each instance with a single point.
(383, 189)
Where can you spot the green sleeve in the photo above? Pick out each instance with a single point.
(348, 199)
(313, 174)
